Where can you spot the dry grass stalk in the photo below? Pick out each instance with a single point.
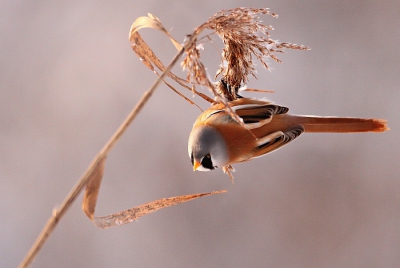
(241, 32)
(132, 214)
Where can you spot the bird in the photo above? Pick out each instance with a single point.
(248, 128)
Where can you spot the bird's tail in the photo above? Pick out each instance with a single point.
(340, 124)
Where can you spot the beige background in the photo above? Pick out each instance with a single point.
(68, 78)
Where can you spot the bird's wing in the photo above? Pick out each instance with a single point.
(276, 140)
(258, 114)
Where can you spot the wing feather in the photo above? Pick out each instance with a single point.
(257, 115)
(276, 140)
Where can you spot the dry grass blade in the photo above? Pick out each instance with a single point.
(93, 189)
(151, 21)
(257, 90)
(183, 96)
(148, 57)
(132, 214)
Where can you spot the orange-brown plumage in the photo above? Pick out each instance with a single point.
(266, 127)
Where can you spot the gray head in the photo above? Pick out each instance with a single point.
(207, 149)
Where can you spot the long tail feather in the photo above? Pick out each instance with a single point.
(340, 124)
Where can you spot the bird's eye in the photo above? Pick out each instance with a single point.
(206, 162)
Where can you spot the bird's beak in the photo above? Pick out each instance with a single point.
(196, 165)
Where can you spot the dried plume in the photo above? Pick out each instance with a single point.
(244, 37)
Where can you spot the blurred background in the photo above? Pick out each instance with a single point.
(68, 78)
